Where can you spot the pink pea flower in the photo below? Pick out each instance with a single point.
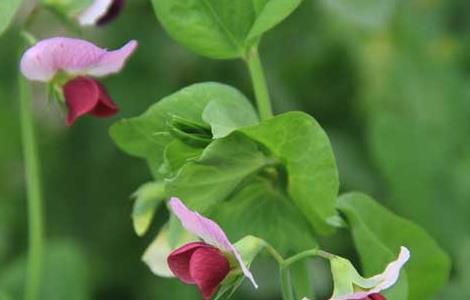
(349, 285)
(70, 65)
(205, 264)
(101, 12)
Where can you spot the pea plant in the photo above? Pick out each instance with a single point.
(238, 180)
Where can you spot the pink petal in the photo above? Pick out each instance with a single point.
(72, 56)
(94, 12)
(113, 61)
(208, 231)
(83, 96)
(208, 268)
(178, 261)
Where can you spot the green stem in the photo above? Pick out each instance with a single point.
(259, 84)
(286, 285)
(34, 194)
(305, 254)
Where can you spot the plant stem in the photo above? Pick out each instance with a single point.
(34, 193)
(286, 286)
(259, 84)
(308, 253)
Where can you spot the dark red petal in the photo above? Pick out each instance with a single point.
(178, 260)
(208, 268)
(112, 13)
(84, 95)
(376, 297)
(81, 96)
(105, 106)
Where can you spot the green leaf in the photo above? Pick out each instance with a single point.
(222, 166)
(262, 210)
(302, 146)
(226, 116)
(221, 28)
(147, 199)
(148, 135)
(8, 9)
(378, 234)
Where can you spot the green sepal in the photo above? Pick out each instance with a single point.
(189, 132)
(248, 247)
(147, 199)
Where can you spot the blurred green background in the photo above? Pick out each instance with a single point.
(389, 80)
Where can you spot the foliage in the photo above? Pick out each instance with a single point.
(387, 80)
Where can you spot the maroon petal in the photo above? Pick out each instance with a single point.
(84, 95)
(112, 13)
(178, 261)
(376, 297)
(105, 107)
(208, 268)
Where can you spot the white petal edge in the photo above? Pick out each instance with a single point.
(94, 12)
(385, 280)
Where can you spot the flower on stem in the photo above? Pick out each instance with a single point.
(208, 262)
(69, 65)
(349, 285)
(101, 12)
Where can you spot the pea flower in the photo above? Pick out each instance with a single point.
(208, 262)
(101, 12)
(349, 285)
(69, 66)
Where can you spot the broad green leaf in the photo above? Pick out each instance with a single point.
(8, 10)
(262, 210)
(221, 28)
(373, 14)
(298, 141)
(378, 234)
(147, 136)
(147, 199)
(225, 117)
(222, 166)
